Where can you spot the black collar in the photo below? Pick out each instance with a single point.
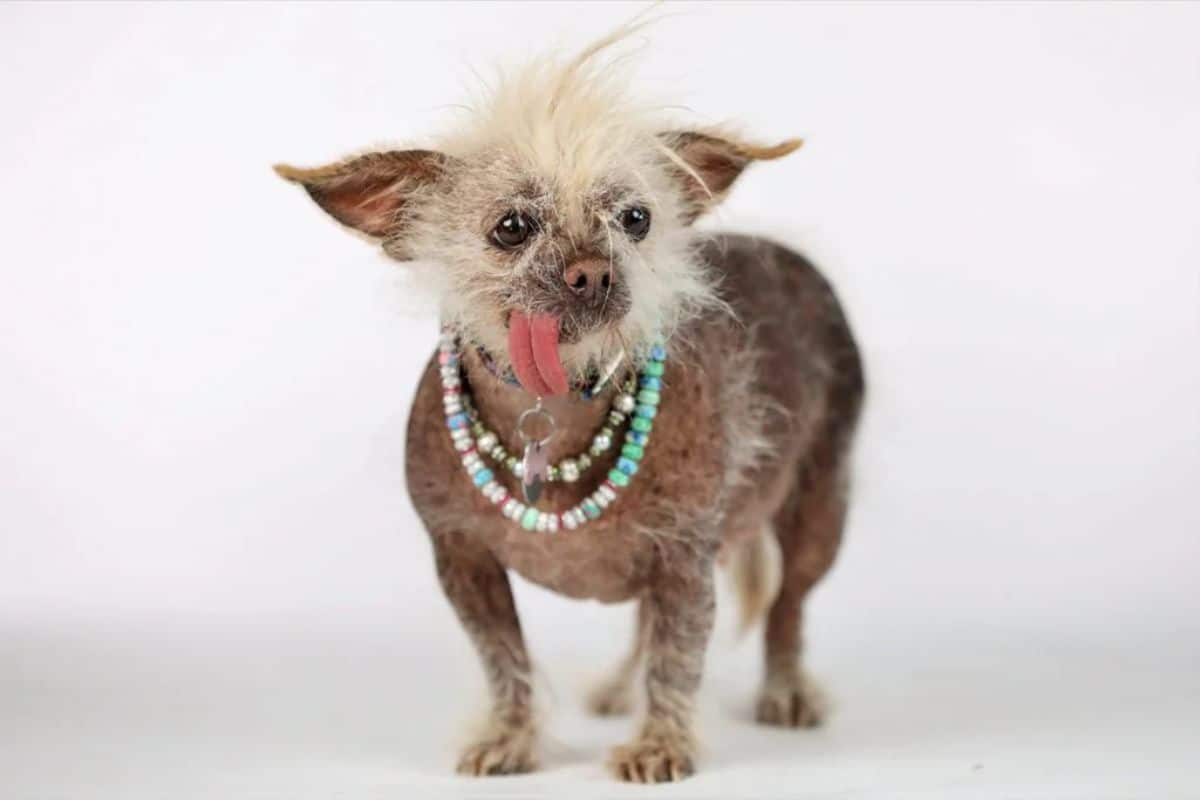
(587, 387)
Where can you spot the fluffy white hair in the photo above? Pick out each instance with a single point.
(573, 127)
(564, 140)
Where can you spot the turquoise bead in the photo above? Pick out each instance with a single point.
(641, 424)
(633, 451)
(529, 519)
(637, 437)
(650, 383)
(628, 466)
(658, 352)
(649, 412)
(483, 476)
(618, 478)
(457, 421)
(590, 508)
(649, 397)
(653, 368)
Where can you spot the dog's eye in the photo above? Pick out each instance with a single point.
(512, 230)
(636, 222)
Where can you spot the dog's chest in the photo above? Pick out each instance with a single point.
(604, 560)
(673, 500)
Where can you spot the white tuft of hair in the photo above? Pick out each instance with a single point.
(756, 574)
(574, 123)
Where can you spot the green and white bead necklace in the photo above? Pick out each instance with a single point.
(470, 437)
(567, 470)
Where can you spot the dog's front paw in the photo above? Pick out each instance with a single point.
(507, 750)
(654, 758)
(791, 702)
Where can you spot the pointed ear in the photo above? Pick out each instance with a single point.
(706, 165)
(369, 192)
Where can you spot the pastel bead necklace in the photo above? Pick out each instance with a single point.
(469, 437)
(568, 469)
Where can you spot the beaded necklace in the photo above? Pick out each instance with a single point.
(568, 469)
(469, 435)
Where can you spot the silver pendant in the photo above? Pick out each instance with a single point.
(535, 463)
(534, 467)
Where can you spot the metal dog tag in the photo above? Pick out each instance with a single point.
(535, 465)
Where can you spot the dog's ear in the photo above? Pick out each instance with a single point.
(368, 193)
(706, 165)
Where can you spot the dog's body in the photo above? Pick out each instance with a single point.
(752, 435)
(556, 228)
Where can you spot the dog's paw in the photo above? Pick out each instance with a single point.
(507, 751)
(611, 699)
(792, 702)
(654, 758)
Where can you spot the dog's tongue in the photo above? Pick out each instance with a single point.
(533, 349)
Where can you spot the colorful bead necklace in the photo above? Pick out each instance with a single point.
(464, 426)
(568, 469)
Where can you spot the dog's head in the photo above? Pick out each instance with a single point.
(558, 219)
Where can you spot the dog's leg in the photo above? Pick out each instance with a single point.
(614, 696)
(478, 588)
(809, 529)
(680, 606)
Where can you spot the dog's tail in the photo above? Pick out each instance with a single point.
(754, 572)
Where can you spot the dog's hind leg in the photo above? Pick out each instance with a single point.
(809, 528)
(614, 695)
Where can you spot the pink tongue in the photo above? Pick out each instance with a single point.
(533, 348)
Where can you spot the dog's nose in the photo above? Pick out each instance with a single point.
(590, 278)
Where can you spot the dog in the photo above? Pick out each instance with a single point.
(616, 400)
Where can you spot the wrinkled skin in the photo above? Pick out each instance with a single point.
(757, 413)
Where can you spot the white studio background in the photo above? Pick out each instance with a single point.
(211, 579)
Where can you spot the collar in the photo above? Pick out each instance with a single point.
(588, 387)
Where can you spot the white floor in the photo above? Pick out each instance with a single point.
(373, 713)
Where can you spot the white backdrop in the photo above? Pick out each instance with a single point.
(210, 574)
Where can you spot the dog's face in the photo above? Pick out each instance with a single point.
(557, 221)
